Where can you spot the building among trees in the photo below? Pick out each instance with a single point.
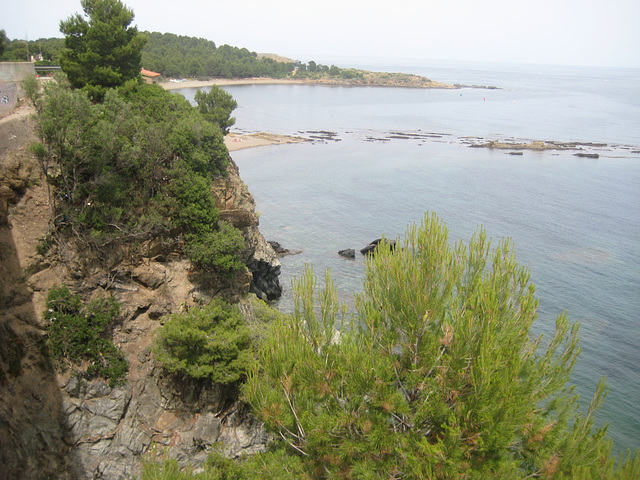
(149, 76)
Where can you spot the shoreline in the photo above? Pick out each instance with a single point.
(221, 82)
(191, 83)
(237, 141)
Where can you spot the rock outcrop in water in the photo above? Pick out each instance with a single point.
(371, 248)
(61, 425)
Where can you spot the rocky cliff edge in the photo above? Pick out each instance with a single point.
(61, 425)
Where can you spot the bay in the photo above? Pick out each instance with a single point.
(395, 154)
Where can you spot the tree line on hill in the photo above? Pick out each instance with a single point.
(179, 56)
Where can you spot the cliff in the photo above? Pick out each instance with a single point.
(58, 424)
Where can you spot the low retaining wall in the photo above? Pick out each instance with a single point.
(11, 74)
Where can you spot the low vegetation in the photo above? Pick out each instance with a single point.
(210, 343)
(436, 374)
(126, 161)
(79, 335)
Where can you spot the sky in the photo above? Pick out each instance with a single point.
(553, 32)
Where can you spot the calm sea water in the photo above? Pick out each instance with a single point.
(395, 154)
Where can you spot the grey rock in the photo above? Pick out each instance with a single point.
(206, 429)
(265, 268)
(371, 248)
(348, 253)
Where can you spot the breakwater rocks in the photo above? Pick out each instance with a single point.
(539, 145)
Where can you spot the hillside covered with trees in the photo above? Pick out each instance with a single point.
(166, 53)
(180, 56)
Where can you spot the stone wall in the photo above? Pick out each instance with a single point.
(11, 74)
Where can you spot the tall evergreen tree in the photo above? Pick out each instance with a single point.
(216, 106)
(102, 50)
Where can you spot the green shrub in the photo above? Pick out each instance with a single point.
(211, 342)
(276, 465)
(77, 333)
(131, 167)
(209, 244)
(216, 250)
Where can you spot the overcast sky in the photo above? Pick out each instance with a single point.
(565, 32)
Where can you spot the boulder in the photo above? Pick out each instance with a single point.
(279, 249)
(370, 249)
(150, 276)
(347, 253)
(265, 269)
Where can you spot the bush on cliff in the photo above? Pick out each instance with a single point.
(211, 343)
(78, 333)
(137, 166)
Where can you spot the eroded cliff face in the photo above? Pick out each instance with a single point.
(237, 207)
(60, 425)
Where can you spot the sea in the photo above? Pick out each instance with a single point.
(379, 158)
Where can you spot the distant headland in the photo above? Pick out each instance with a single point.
(360, 78)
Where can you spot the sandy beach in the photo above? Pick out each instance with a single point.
(227, 81)
(235, 141)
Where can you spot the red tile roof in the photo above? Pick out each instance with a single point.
(149, 73)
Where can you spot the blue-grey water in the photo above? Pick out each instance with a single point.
(574, 221)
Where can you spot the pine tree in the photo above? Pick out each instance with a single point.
(101, 51)
(435, 376)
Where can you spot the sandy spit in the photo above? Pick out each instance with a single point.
(227, 81)
(235, 141)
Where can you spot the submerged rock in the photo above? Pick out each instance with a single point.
(347, 253)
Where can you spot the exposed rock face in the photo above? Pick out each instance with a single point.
(112, 429)
(265, 268)
(32, 428)
(60, 425)
(237, 206)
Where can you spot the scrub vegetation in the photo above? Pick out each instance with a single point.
(211, 343)
(127, 161)
(78, 334)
